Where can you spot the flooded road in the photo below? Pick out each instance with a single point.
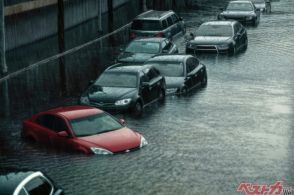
(239, 129)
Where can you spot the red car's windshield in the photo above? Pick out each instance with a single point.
(94, 124)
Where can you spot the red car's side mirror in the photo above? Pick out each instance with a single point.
(63, 134)
(122, 122)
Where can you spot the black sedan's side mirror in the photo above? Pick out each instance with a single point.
(122, 122)
(181, 18)
(63, 134)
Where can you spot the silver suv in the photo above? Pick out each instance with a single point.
(157, 24)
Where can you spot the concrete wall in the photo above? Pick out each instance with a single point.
(27, 27)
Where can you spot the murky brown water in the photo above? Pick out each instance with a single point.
(240, 128)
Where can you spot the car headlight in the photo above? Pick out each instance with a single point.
(249, 17)
(100, 151)
(143, 142)
(85, 100)
(224, 46)
(123, 102)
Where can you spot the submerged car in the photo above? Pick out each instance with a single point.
(157, 24)
(242, 11)
(125, 88)
(218, 36)
(141, 50)
(82, 128)
(262, 5)
(23, 182)
(182, 72)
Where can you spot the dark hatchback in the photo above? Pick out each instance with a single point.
(19, 182)
(242, 11)
(141, 50)
(218, 36)
(157, 24)
(182, 72)
(126, 88)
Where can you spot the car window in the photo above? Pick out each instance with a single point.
(152, 74)
(52, 122)
(169, 21)
(192, 63)
(167, 46)
(175, 18)
(46, 121)
(38, 186)
(147, 25)
(163, 45)
(164, 24)
(59, 125)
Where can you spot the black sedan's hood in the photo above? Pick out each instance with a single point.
(135, 57)
(237, 13)
(210, 40)
(110, 94)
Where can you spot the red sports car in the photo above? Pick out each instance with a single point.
(82, 128)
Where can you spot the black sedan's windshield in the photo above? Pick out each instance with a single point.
(215, 30)
(239, 7)
(95, 124)
(143, 47)
(169, 69)
(117, 79)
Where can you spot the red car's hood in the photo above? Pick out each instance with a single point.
(115, 141)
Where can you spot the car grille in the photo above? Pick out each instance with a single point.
(206, 47)
(102, 104)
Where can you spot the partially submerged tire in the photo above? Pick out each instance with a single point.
(232, 50)
(161, 96)
(137, 110)
(204, 80)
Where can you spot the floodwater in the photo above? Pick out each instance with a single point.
(239, 129)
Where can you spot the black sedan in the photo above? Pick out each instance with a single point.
(218, 36)
(182, 72)
(242, 11)
(19, 182)
(126, 88)
(141, 50)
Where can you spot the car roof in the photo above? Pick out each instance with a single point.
(10, 179)
(129, 68)
(74, 112)
(226, 22)
(154, 15)
(151, 39)
(170, 58)
(241, 1)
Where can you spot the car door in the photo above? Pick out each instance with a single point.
(168, 47)
(154, 83)
(171, 27)
(43, 129)
(193, 78)
(144, 88)
(237, 36)
(61, 140)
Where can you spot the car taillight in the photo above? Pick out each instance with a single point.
(161, 34)
(133, 35)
